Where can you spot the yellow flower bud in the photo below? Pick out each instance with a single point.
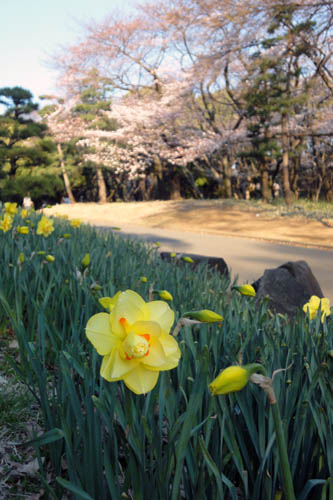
(173, 255)
(204, 315)
(232, 379)
(246, 290)
(143, 279)
(86, 260)
(49, 258)
(66, 236)
(188, 259)
(20, 259)
(41, 252)
(164, 295)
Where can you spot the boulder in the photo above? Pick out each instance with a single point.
(214, 263)
(288, 287)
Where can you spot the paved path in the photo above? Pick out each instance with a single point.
(246, 258)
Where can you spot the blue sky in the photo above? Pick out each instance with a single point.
(33, 29)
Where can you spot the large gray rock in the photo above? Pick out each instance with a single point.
(288, 287)
(214, 263)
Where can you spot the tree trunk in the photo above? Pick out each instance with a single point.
(64, 174)
(101, 185)
(174, 186)
(265, 190)
(227, 177)
(285, 162)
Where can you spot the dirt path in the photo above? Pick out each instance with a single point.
(204, 216)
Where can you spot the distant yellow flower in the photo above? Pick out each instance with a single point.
(76, 222)
(66, 236)
(45, 226)
(6, 222)
(315, 303)
(246, 290)
(22, 229)
(204, 315)
(231, 379)
(134, 341)
(188, 259)
(164, 295)
(10, 208)
(24, 213)
(172, 255)
(50, 258)
(143, 279)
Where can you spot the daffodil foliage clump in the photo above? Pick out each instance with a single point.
(132, 410)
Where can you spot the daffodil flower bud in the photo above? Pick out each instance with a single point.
(143, 279)
(188, 259)
(164, 295)
(246, 290)
(20, 259)
(204, 316)
(85, 261)
(49, 258)
(233, 379)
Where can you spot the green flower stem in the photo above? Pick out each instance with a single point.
(288, 487)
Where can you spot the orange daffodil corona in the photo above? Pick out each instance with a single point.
(134, 340)
(315, 304)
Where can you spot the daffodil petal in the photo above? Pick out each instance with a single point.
(326, 305)
(160, 312)
(143, 327)
(140, 380)
(114, 368)
(98, 331)
(130, 306)
(169, 344)
(156, 356)
(314, 302)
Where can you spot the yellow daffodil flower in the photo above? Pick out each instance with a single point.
(315, 303)
(45, 226)
(246, 290)
(10, 208)
(24, 213)
(6, 222)
(22, 229)
(76, 222)
(204, 315)
(50, 258)
(231, 379)
(134, 341)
